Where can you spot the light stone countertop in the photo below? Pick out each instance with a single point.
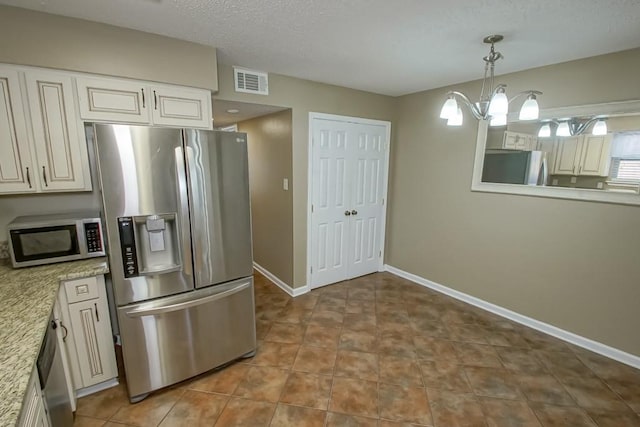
(27, 296)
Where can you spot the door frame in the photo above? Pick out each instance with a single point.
(385, 182)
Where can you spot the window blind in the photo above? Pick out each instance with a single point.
(625, 169)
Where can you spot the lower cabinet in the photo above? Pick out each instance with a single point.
(33, 410)
(89, 339)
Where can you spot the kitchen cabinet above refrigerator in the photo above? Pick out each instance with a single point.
(42, 113)
(113, 100)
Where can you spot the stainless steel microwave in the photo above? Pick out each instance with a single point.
(46, 239)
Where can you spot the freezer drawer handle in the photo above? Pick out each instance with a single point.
(183, 305)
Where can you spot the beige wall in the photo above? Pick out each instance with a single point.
(269, 143)
(572, 264)
(40, 39)
(304, 96)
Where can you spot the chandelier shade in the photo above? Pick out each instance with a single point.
(455, 119)
(545, 131)
(493, 103)
(499, 104)
(530, 109)
(600, 128)
(498, 120)
(449, 109)
(563, 129)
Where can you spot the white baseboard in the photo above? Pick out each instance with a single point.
(294, 292)
(596, 347)
(96, 388)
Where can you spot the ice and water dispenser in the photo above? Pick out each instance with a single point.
(149, 244)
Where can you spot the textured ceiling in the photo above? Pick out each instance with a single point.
(383, 46)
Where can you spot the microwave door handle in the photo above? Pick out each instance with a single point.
(82, 238)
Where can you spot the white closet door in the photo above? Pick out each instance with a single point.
(366, 201)
(331, 194)
(349, 162)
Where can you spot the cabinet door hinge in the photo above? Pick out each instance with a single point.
(311, 270)
(380, 254)
(311, 208)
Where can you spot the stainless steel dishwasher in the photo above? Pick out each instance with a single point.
(52, 379)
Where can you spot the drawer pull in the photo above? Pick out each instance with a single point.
(66, 332)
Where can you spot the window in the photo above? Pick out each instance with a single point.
(625, 169)
(625, 157)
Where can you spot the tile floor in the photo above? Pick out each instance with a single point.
(381, 351)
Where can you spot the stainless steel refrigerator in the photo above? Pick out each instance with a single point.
(515, 167)
(176, 212)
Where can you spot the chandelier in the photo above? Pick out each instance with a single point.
(574, 127)
(493, 104)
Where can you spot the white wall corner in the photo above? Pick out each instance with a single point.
(294, 292)
(570, 337)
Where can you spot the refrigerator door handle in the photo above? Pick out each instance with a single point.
(545, 171)
(161, 309)
(183, 206)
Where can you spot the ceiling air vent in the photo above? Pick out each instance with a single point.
(250, 81)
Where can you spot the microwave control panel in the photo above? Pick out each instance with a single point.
(92, 234)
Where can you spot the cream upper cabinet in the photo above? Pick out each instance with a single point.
(519, 141)
(42, 113)
(176, 106)
(113, 100)
(16, 166)
(595, 159)
(583, 155)
(61, 151)
(568, 156)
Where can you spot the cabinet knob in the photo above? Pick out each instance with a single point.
(347, 213)
(354, 212)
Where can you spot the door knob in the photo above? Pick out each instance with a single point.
(354, 212)
(347, 213)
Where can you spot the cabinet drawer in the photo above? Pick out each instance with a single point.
(81, 289)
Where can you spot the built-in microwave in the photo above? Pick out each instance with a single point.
(45, 239)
